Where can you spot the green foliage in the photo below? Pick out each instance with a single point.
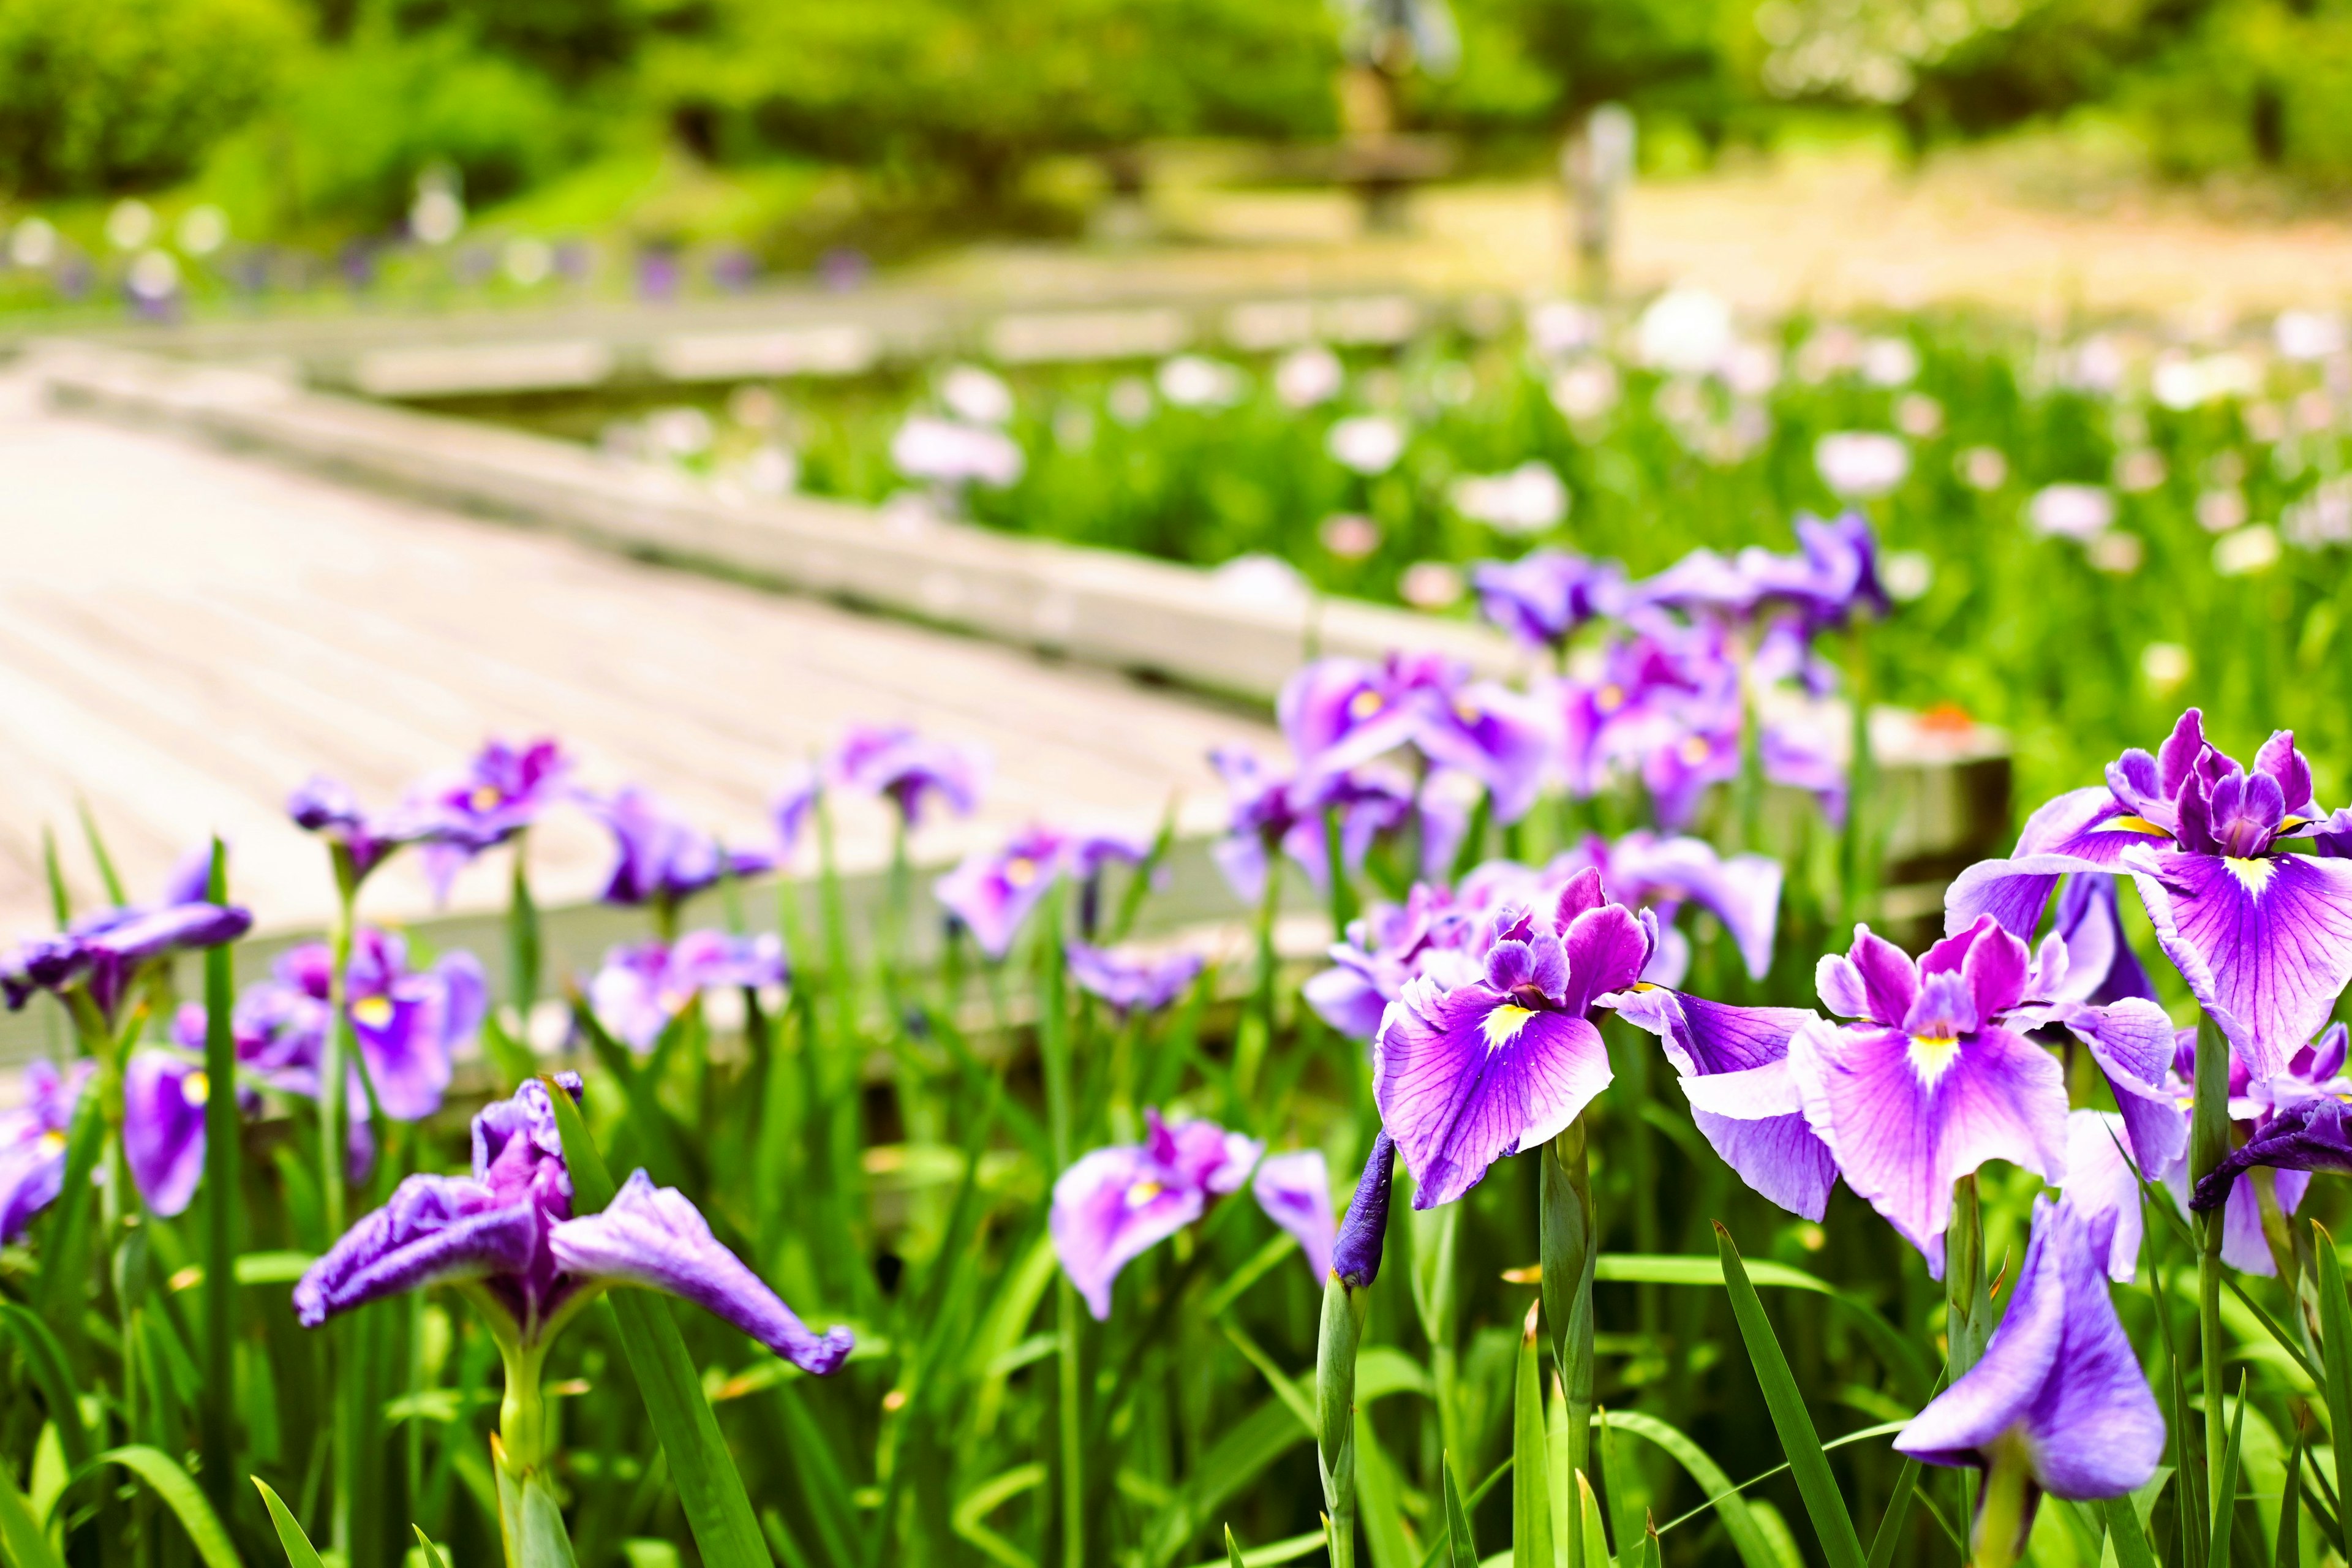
(101, 95)
(347, 142)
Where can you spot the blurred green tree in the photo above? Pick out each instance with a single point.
(99, 95)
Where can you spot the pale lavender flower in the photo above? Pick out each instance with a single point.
(1131, 983)
(33, 1143)
(909, 770)
(1114, 1205)
(643, 987)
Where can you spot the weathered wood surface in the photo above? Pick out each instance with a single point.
(185, 635)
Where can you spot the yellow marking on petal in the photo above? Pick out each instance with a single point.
(673, 1000)
(375, 1012)
(52, 1143)
(195, 1089)
(1363, 705)
(2289, 823)
(1143, 1193)
(2130, 824)
(1503, 1025)
(1932, 1057)
(1469, 712)
(1694, 749)
(1612, 697)
(486, 796)
(1021, 870)
(2252, 875)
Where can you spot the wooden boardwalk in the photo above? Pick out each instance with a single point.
(185, 635)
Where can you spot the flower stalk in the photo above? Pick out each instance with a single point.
(1569, 1247)
(2209, 1145)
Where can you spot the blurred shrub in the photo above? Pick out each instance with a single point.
(979, 89)
(2254, 83)
(105, 94)
(346, 145)
(569, 39)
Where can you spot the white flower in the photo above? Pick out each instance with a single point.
(1684, 330)
(1350, 535)
(1585, 390)
(679, 432)
(1889, 362)
(130, 224)
(528, 261)
(1307, 376)
(436, 215)
(1130, 400)
(1983, 468)
(1862, 463)
(770, 470)
(2138, 469)
(204, 228)
(944, 452)
(1528, 499)
(2115, 552)
(1189, 380)
(2071, 511)
(154, 275)
(1368, 443)
(1751, 369)
(1430, 586)
(1266, 581)
(1907, 574)
(2308, 334)
(2323, 517)
(2181, 383)
(2250, 550)
(33, 242)
(1559, 327)
(2218, 512)
(2096, 365)
(975, 395)
(1918, 415)
(2165, 664)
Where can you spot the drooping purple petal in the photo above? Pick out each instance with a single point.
(993, 891)
(1110, 1207)
(1295, 1190)
(2132, 1041)
(655, 1238)
(1132, 983)
(1907, 1118)
(2264, 944)
(163, 1099)
(2314, 1134)
(1545, 595)
(1462, 1078)
(1733, 1068)
(434, 1230)
(1743, 891)
(2058, 1373)
(2100, 965)
(2102, 1180)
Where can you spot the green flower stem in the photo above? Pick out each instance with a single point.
(1568, 1247)
(1257, 1029)
(2209, 1145)
(2007, 1515)
(343, 1404)
(1966, 1310)
(522, 938)
(1335, 1403)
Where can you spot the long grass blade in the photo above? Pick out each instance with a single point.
(1810, 1465)
(2225, 1483)
(2286, 1551)
(1747, 1537)
(2124, 1533)
(54, 874)
(107, 875)
(1530, 1456)
(300, 1553)
(224, 1189)
(709, 1489)
(2335, 1351)
(1461, 1550)
(45, 1359)
(1898, 1513)
(182, 1496)
(27, 1543)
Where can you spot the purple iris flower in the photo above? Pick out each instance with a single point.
(502, 790)
(1467, 1074)
(279, 1030)
(2059, 1389)
(1745, 1097)
(793, 808)
(1492, 734)
(33, 1143)
(643, 987)
(1113, 1205)
(1131, 983)
(1650, 870)
(409, 1023)
(2103, 1185)
(2294, 1122)
(1294, 1191)
(1339, 713)
(660, 858)
(1932, 1080)
(909, 770)
(360, 840)
(2261, 935)
(993, 891)
(1387, 946)
(102, 957)
(1833, 575)
(163, 1097)
(1545, 595)
(508, 1234)
(1704, 582)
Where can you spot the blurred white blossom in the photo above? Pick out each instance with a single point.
(2071, 511)
(945, 452)
(1687, 330)
(1367, 443)
(976, 396)
(2254, 548)
(1529, 499)
(1859, 464)
(1190, 381)
(1308, 376)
